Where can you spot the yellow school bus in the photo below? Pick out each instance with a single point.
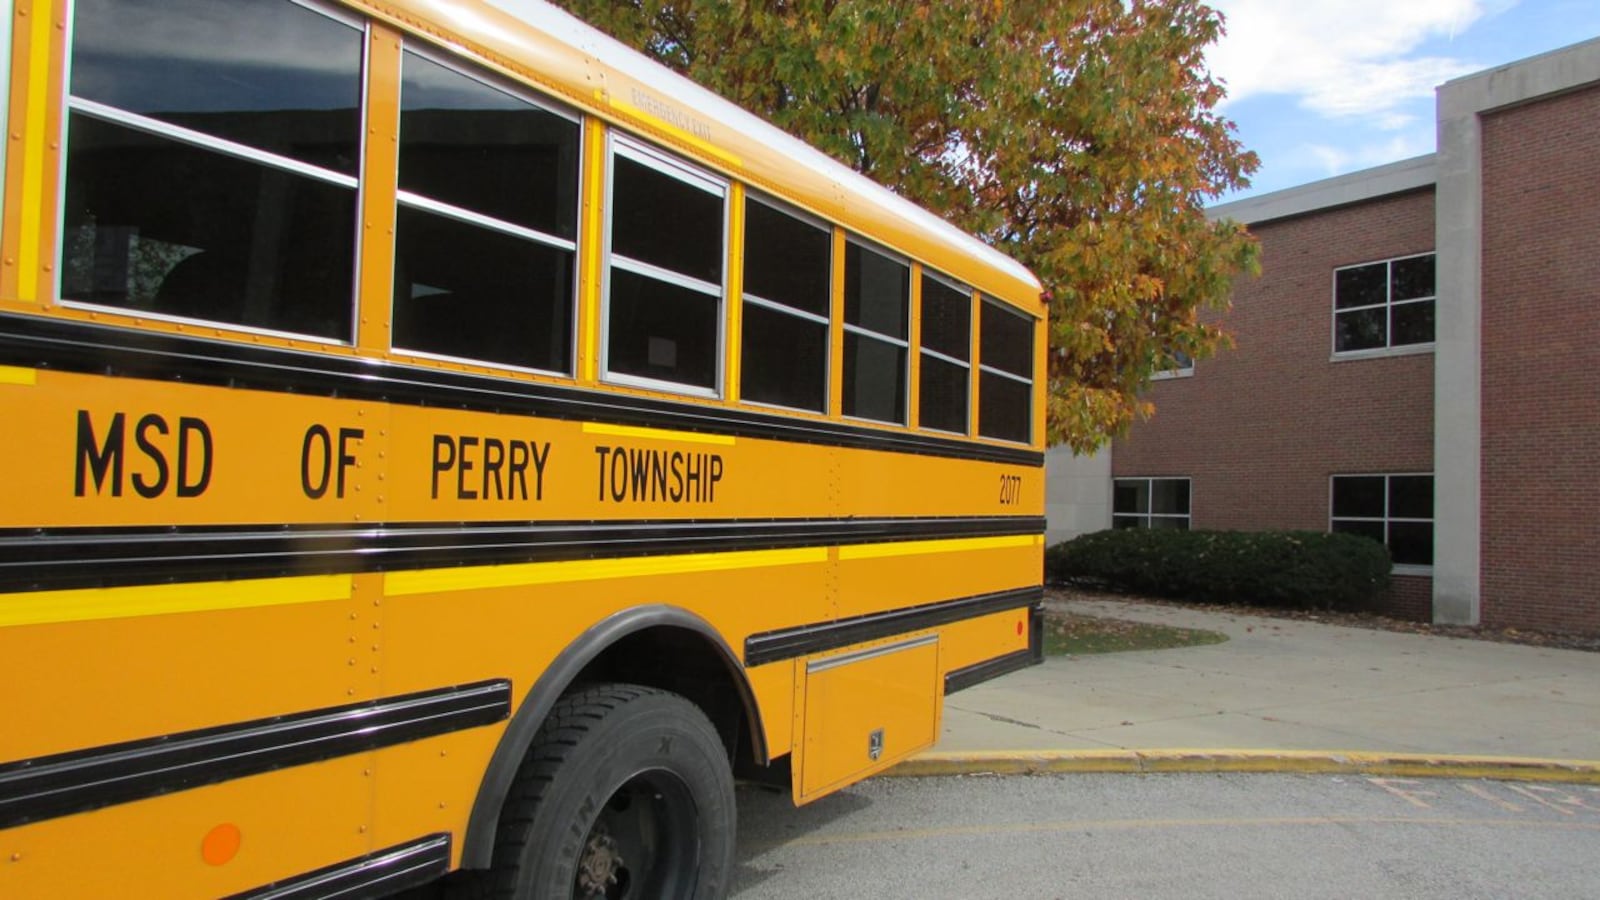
(443, 443)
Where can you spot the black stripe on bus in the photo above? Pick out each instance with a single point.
(961, 679)
(60, 559)
(792, 643)
(1032, 655)
(46, 343)
(374, 875)
(35, 789)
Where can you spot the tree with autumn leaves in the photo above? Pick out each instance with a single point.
(1079, 136)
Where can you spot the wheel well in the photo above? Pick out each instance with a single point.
(685, 663)
(656, 646)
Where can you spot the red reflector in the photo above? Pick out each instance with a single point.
(221, 844)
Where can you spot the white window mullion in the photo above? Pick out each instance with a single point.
(417, 201)
(947, 359)
(667, 275)
(1004, 374)
(876, 335)
(773, 305)
(201, 139)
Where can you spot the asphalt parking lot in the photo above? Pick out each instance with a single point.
(1188, 836)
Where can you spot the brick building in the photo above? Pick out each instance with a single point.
(1419, 361)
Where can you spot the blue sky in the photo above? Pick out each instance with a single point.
(1323, 87)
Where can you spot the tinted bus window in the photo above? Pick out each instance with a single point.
(485, 250)
(1005, 383)
(876, 313)
(207, 177)
(788, 264)
(943, 388)
(664, 304)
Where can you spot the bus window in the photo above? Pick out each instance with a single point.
(485, 242)
(946, 356)
(1005, 381)
(877, 299)
(664, 304)
(212, 151)
(787, 267)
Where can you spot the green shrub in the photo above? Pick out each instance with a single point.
(1303, 569)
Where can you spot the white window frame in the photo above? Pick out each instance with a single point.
(1399, 568)
(1388, 305)
(638, 151)
(1183, 369)
(1150, 492)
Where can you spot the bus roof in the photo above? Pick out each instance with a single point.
(545, 46)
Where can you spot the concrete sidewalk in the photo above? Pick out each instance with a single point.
(1282, 689)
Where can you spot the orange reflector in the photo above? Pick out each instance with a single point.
(1019, 628)
(221, 844)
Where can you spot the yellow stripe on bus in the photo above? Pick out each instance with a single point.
(47, 607)
(958, 545)
(657, 434)
(33, 154)
(430, 581)
(14, 375)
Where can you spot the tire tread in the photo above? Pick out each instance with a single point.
(571, 720)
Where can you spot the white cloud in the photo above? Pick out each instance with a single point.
(1343, 58)
(1331, 160)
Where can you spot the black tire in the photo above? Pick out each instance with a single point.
(624, 785)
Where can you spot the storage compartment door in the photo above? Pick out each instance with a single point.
(866, 711)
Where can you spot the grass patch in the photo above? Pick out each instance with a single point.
(1069, 634)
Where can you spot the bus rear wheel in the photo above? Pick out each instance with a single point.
(625, 794)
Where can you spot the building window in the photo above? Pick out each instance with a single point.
(877, 303)
(1382, 305)
(1005, 373)
(664, 300)
(1150, 503)
(1177, 365)
(788, 267)
(946, 350)
(1395, 510)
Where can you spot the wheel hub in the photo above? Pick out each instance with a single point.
(602, 859)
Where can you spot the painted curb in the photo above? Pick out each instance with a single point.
(1307, 762)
